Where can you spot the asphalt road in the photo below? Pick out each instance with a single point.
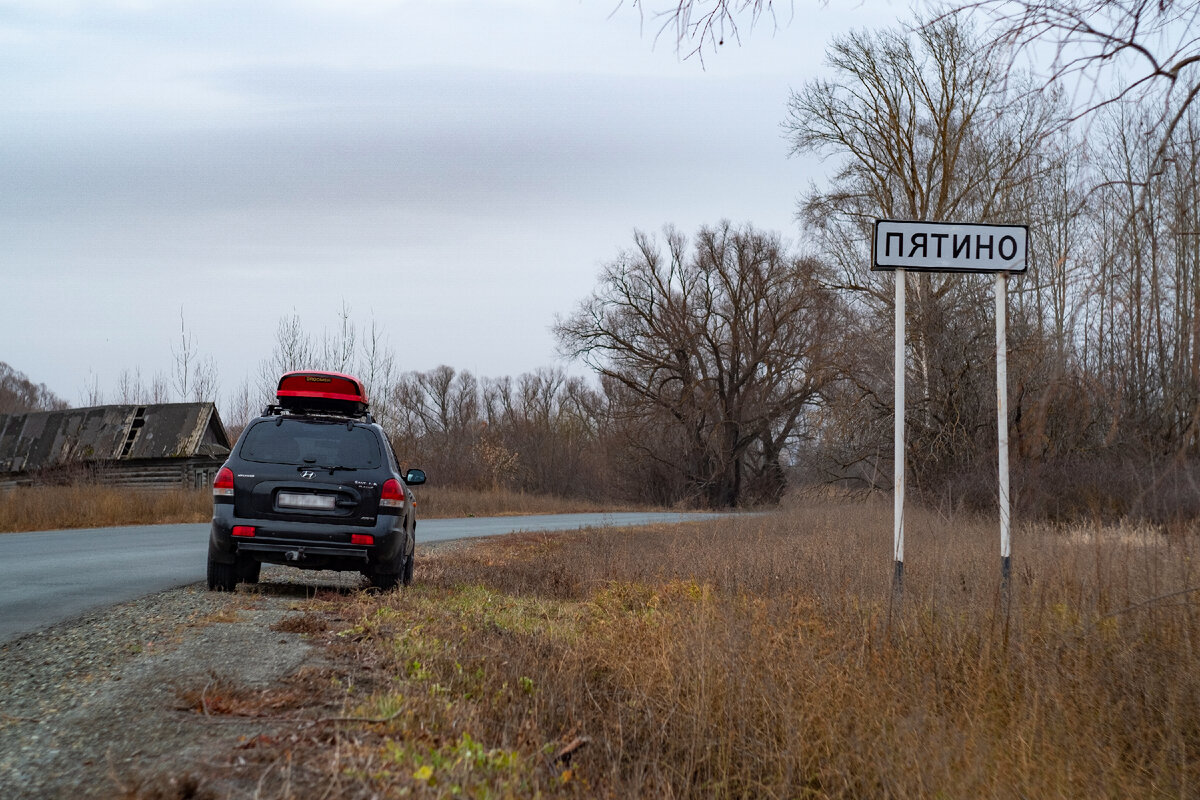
(51, 576)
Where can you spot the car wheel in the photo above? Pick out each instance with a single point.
(386, 574)
(406, 576)
(385, 580)
(221, 577)
(247, 570)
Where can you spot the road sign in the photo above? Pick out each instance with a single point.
(949, 247)
(952, 247)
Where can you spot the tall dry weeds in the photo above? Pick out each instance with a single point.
(43, 508)
(760, 657)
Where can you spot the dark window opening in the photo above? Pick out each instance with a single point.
(135, 428)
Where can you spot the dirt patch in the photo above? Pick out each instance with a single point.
(302, 623)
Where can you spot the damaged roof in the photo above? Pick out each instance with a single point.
(40, 440)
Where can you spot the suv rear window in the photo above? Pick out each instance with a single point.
(324, 444)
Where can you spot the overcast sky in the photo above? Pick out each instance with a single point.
(456, 170)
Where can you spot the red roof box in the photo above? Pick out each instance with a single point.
(322, 391)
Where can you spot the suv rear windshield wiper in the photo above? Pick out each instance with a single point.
(331, 467)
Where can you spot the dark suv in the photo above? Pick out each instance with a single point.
(313, 483)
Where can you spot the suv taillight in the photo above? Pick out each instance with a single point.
(223, 485)
(392, 495)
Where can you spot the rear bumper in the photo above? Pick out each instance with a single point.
(289, 552)
(306, 545)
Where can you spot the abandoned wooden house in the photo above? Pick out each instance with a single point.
(161, 446)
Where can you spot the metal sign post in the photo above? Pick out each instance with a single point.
(898, 445)
(1002, 425)
(952, 247)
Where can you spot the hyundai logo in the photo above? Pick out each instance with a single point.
(308, 473)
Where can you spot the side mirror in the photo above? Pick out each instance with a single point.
(414, 477)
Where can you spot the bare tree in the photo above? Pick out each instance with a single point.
(376, 368)
(922, 123)
(337, 351)
(700, 24)
(936, 123)
(293, 350)
(723, 348)
(243, 407)
(160, 389)
(1108, 51)
(437, 422)
(449, 400)
(91, 394)
(1101, 51)
(129, 387)
(205, 381)
(1144, 304)
(185, 357)
(542, 432)
(195, 376)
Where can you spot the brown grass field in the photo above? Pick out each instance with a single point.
(91, 506)
(764, 657)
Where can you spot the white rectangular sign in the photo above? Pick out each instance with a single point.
(949, 247)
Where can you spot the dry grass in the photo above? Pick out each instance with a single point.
(92, 506)
(219, 697)
(89, 506)
(762, 657)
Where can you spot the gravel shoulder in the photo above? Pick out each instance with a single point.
(114, 703)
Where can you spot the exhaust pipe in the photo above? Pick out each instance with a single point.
(292, 555)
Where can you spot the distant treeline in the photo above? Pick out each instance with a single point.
(18, 393)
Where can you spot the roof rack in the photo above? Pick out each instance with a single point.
(274, 410)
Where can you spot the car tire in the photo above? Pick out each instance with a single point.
(385, 580)
(221, 577)
(247, 570)
(406, 575)
(387, 574)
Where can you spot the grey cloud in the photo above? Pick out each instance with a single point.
(405, 137)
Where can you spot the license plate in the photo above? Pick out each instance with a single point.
(318, 501)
